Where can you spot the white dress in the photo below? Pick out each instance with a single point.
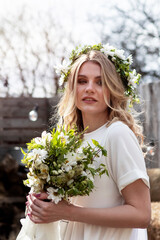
(125, 164)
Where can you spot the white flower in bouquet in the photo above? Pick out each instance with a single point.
(88, 174)
(36, 184)
(52, 194)
(43, 139)
(71, 160)
(37, 155)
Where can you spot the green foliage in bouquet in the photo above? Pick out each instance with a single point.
(62, 165)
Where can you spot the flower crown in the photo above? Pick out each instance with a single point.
(122, 64)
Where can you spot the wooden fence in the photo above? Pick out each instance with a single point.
(150, 92)
(15, 127)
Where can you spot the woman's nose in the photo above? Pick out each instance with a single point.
(90, 87)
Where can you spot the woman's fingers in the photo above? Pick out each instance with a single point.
(39, 209)
(33, 207)
(41, 196)
(43, 212)
(35, 219)
(34, 201)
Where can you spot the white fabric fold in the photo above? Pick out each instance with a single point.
(32, 231)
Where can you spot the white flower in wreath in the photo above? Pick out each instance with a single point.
(108, 50)
(113, 59)
(119, 54)
(108, 47)
(130, 59)
(132, 80)
(63, 68)
(53, 195)
(61, 80)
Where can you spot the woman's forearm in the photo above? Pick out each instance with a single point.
(125, 216)
(135, 213)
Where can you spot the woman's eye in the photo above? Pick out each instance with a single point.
(99, 82)
(81, 81)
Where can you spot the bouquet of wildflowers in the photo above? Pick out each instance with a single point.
(61, 165)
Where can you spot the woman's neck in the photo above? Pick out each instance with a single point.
(93, 122)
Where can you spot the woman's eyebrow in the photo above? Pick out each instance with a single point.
(80, 75)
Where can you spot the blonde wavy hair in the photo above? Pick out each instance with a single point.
(67, 111)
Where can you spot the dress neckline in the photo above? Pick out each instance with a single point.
(96, 130)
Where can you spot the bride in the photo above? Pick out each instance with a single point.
(99, 88)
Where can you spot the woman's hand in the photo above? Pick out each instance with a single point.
(40, 211)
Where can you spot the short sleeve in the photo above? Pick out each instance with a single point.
(125, 158)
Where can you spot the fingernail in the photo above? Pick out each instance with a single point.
(26, 202)
(38, 195)
(29, 214)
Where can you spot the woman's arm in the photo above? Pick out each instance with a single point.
(135, 213)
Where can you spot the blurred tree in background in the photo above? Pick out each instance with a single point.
(30, 46)
(135, 28)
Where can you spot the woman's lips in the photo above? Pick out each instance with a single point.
(89, 100)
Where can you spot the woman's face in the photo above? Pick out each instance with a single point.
(89, 92)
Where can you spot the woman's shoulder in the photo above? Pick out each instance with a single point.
(119, 129)
(118, 126)
(119, 134)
